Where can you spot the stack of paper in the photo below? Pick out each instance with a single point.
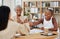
(33, 31)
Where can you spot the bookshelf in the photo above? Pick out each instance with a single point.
(32, 8)
(55, 5)
(37, 7)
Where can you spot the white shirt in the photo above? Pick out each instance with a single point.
(23, 28)
(48, 24)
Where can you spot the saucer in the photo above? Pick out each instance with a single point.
(17, 35)
(49, 34)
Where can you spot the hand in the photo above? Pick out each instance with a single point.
(30, 23)
(53, 29)
(42, 28)
(19, 21)
(26, 20)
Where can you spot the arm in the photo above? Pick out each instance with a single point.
(19, 20)
(26, 20)
(36, 23)
(55, 25)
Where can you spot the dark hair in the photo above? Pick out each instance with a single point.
(51, 11)
(4, 16)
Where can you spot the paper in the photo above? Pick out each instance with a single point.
(35, 31)
(17, 35)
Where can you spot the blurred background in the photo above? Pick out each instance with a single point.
(34, 8)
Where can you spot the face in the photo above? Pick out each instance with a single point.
(48, 15)
(18, 11)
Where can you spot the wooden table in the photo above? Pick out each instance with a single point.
(38, 36)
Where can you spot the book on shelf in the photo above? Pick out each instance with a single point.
(25, 4)
(33, 4)
(59, 3)
(43, 4)
(34, 10)
(59, 10)
(56, 10)
(50, 4)
(38, 4)
(54, 4)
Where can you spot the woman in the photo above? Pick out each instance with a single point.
(48, 21)
(22, 20)
(7, 27)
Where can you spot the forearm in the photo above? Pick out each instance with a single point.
(55, 25)
(53, 29)
(19, 21)
(36, 23)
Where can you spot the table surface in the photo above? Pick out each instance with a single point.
(38, 36)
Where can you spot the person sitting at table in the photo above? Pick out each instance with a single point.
(22, 20)
(8, 28)
(48, 21)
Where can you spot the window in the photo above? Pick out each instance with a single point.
(18, 2)
(1, 2)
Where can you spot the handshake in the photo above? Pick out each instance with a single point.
(22, 20)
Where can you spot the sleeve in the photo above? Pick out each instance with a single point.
(12, 18)
(14, 28)
(38, 22)
(10, 31)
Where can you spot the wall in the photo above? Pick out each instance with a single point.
(12, 5)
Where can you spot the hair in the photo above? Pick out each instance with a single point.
(50, 11)
(18, 7)
(4, 16)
